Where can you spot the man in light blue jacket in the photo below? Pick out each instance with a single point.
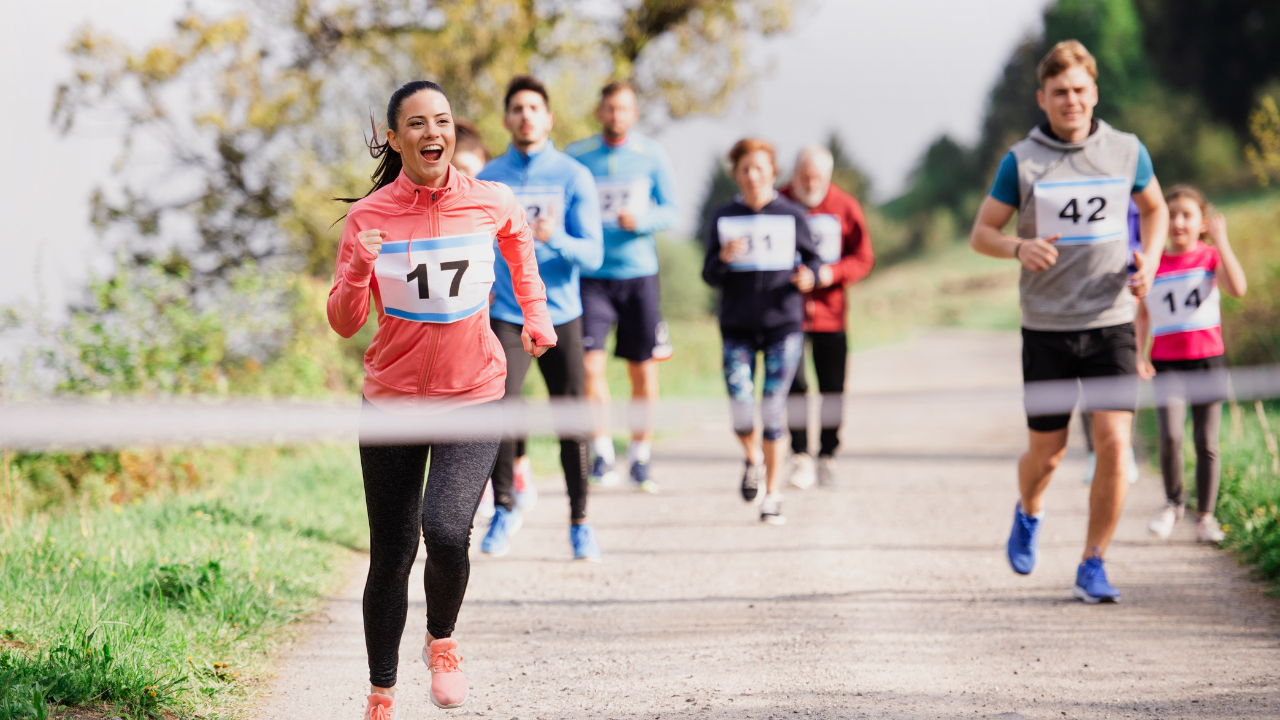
(637, 199)
(559, 197)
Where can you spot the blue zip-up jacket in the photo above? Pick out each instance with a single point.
(631, 254)
(577, 244)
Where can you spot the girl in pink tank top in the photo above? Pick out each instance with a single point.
(1183, 316)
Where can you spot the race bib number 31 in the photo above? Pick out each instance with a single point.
(619, 194)
(827, 236)
(1086, 211)
(436, 280)
(771, 241)
(1184, 301)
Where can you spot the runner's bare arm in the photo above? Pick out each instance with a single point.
(1142, 333)
(989, 239)
(1232, 279)
(1155, 231)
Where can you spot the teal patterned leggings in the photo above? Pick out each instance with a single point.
(780, 362)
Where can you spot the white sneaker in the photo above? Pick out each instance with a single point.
(800, 471)
(485, 510)
(1162, 522)
(771, 510)
(1207, 530)
(526, 491)
(826, 471)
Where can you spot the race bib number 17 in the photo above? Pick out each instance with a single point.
(1084, 211)
(435, 280)
(771, 241)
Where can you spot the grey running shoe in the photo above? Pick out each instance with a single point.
(771, 510)
(826, 471)
(751, 481)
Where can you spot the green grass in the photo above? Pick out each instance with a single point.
(171, 605)
(1249, 498)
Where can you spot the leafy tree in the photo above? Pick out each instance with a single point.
(243, 125)
(847, 175)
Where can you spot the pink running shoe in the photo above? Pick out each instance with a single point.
(448, 684)
(381, 707)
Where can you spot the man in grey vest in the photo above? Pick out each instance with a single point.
(1070, 181)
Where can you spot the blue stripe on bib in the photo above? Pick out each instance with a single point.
(424, 244)
(435, 317)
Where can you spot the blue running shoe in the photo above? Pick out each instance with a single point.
(584, 542)
(1024, 542)
(1091, 583)
(640, 475)
(603, 474)
(505, 523)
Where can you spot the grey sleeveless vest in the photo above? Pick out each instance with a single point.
(1088, 287)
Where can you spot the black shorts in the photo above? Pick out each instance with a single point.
(632, 304)
(1110, 352)
(1198, 382)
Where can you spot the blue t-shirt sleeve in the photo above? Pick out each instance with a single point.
(1005, 187)
(1145, 171)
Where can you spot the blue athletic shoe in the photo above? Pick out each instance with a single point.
(1091, 583)
(1024, 542)
(640, 475)
(584, 542)
(603, 474)
(505, 523)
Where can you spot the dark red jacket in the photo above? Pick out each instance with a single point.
(824, 307)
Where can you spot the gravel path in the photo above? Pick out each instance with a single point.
(886, 597)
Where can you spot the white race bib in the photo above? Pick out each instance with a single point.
(618, 193)
(436, 280)
(827, 235)
(1184, 301)
(771, 241)
(539, 201)
(1085, 211)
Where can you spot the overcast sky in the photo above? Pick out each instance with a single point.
(889, 76)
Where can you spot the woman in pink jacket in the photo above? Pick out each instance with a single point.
(421, 245)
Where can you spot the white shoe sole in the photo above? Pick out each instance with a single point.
(773, 519)
(609, 479)
(426, 658)
(1160, 530)
(1079, 594)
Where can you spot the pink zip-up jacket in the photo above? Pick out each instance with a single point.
(440, 364)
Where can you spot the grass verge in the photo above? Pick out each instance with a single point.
(169, 607)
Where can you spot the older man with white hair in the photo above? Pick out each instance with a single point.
(839, 229)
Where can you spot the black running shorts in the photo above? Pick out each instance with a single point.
(1109, 352)
(632, 304)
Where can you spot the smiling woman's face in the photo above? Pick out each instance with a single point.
(424, 137)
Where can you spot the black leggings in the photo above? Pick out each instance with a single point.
(398, 511)
(830, 356)
(1207, 378)
(566, 376)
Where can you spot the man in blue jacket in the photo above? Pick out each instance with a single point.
(637, 199)
(559, 197)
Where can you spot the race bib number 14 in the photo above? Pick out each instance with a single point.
(1086, 211)
(771, 241)
(436, 280)
(1184, 301)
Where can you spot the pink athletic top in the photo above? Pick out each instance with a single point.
(1186, 316)
(451, 357)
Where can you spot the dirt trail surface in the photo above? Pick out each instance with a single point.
(886, 597)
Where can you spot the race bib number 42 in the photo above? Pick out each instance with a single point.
(436, 280)
(1086, 211)
(771, 241)
(827, 236)
(621, 194)
(539, 202)
(1184, 301)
